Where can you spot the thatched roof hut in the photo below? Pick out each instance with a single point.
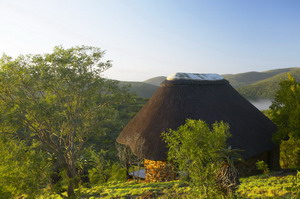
(196, 96)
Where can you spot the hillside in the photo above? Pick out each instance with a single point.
(266, 88)
(252, 85)
(141, 89)
(155, 80)
(243, 79)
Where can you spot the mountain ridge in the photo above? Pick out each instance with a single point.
(252, 85)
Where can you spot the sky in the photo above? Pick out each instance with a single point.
(148, 38)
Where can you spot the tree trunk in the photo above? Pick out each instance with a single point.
(73, 182)
(71, 192)
(127, 169)
(55, 176)
(72, 174)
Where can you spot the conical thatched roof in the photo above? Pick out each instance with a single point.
(210, 99)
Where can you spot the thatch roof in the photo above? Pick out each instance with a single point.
(179, 99)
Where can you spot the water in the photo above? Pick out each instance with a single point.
(261, 104)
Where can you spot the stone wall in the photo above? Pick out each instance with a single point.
(158, 171)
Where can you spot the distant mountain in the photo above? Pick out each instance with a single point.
(141, 89)
(244, 79)
(252, 85)
(155, 80)
(267, 88)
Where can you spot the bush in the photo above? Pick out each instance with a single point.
(290, 153)
(103, 171)
(262, 166)
(194, 148)
(23, 170)
(117, 173)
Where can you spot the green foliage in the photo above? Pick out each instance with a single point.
(50, 195)
(290, 153)
(266, 187)
(117, 173)
(285, 109)
(141, 89)
(124, 112)
(125, 156)
(261, 186)
(266, 88)
(267, 113)
(295, 188)
(262, 166)
(285, 113)
(103, 170)
(249, 78)
(61, 100)
(23, 169)
(230, 156)
(61, 185)
(194, 147)
(98, 173)
(130, 190)
(227, 175)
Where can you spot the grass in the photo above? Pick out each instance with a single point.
(266, 187)
(260, 186)
(130, 189)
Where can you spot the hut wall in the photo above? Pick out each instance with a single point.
(274, 158)
(158, 171)
(248, 167)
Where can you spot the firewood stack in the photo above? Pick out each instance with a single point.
(158, 171)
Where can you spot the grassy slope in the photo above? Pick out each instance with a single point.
(244, 79)
(262, 186)
(266, 88)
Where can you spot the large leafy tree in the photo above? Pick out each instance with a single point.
(285, 113)
(285, 109)
(60, 99)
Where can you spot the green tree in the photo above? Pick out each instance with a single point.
(194, 148)
(23, 169)
(61, 100)
(290, 153)
(285, 109)
(285, 113)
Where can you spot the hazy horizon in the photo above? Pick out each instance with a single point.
(198, 72)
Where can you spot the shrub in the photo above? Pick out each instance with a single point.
(262, 166)
(290, 153)
(193, 148)
(23, 169)
(228, 175)
(103, 170)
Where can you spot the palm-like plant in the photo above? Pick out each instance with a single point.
(228, 175)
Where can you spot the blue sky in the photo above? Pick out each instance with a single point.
(147, 38)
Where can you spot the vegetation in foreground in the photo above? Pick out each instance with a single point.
(260, 186)
(197, 150)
